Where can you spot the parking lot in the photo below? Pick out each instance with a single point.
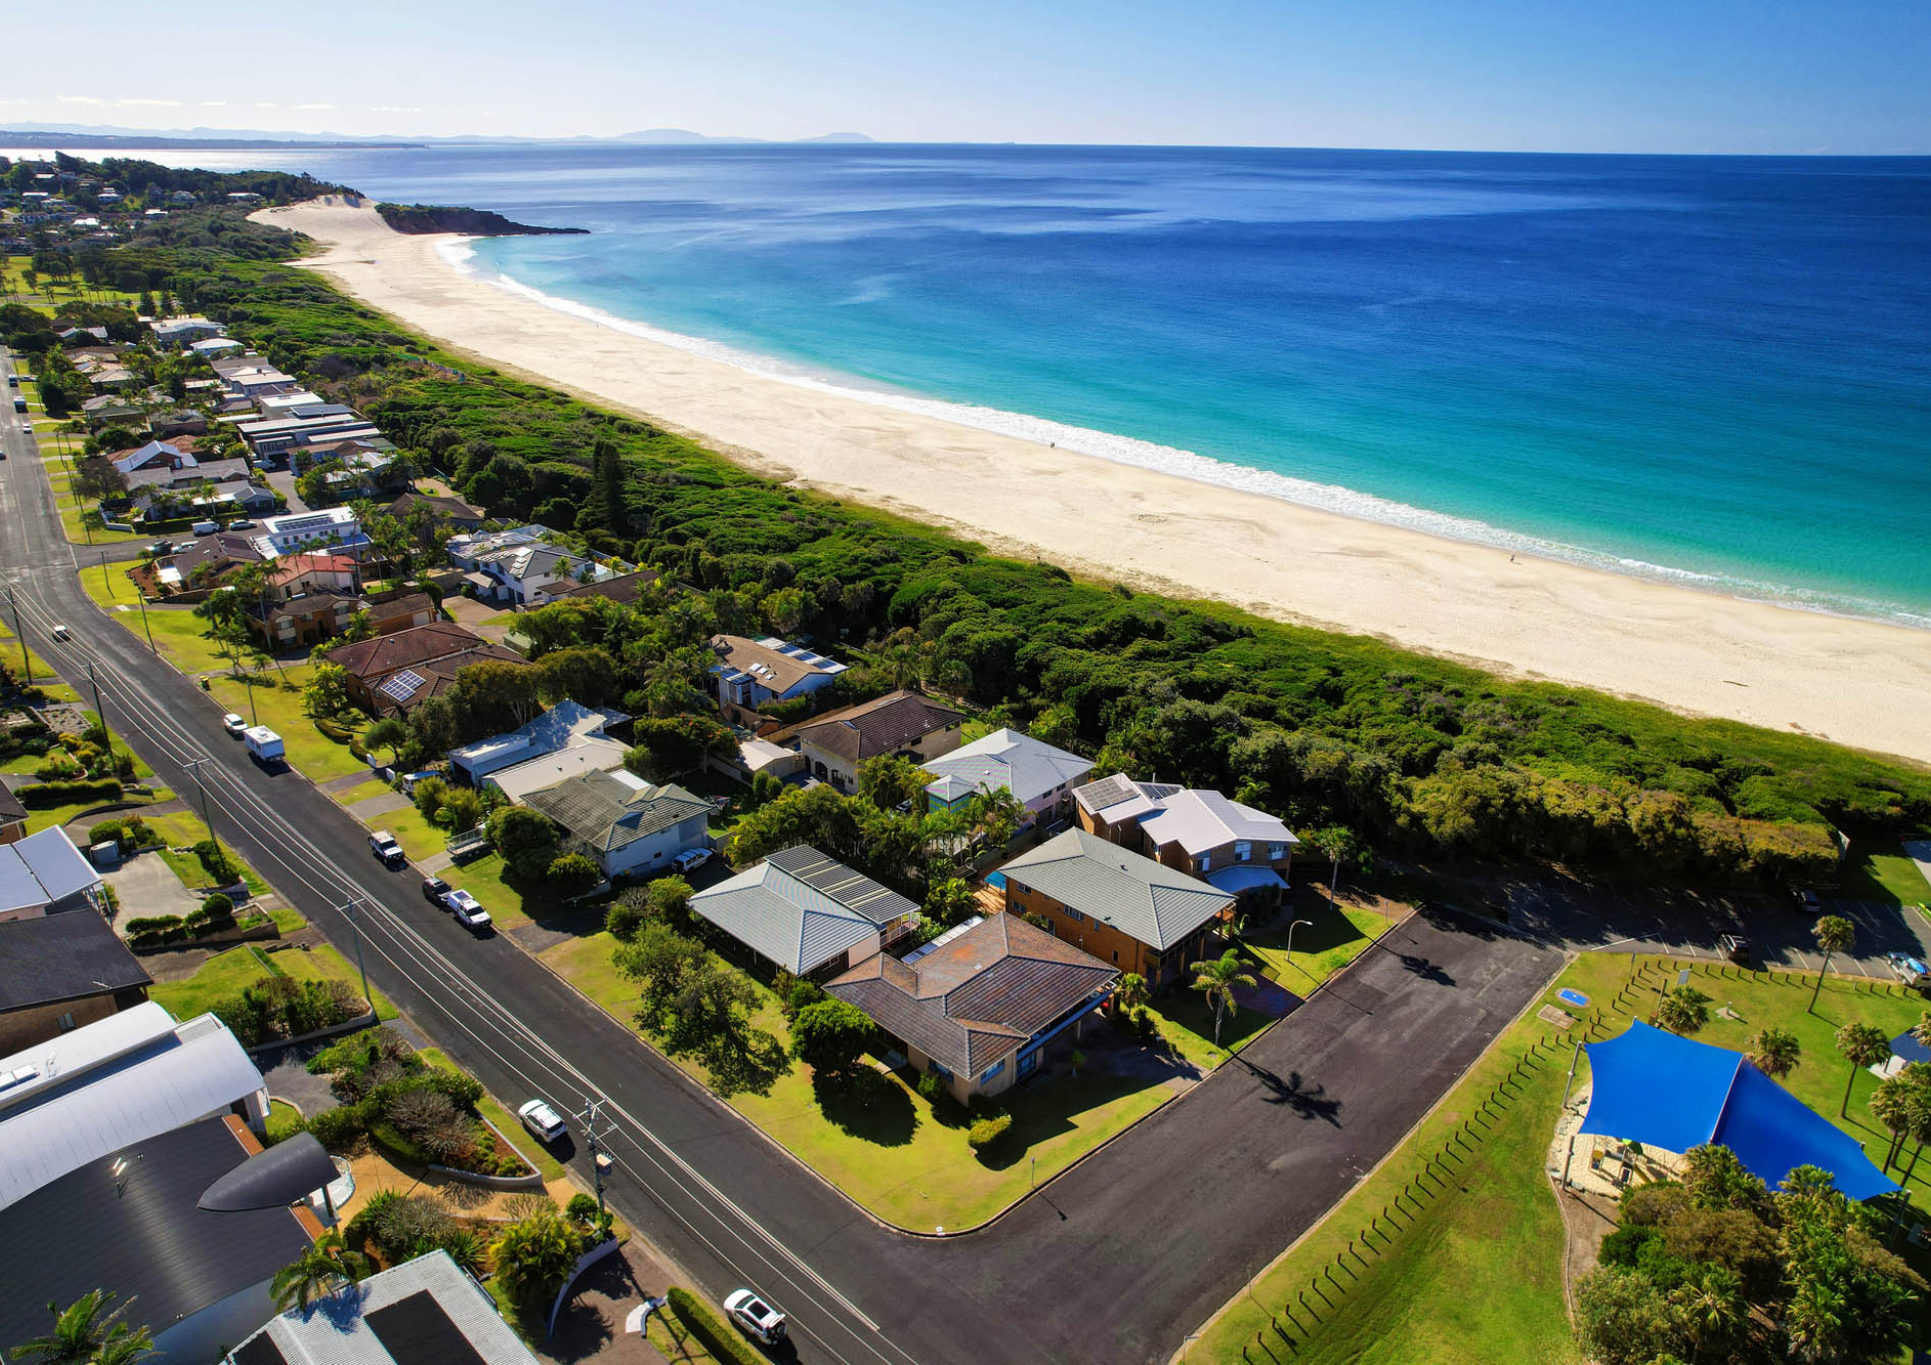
(1689, 922)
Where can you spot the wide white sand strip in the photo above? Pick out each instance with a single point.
(1856, 682)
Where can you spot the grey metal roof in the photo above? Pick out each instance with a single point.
(1198, 820)
(549, 732)
(41, 869)
(81, 1095)
(1024, 766)
(800, 909)
(607, 813)
(355, 1327)
(127, 1221)
(11, 811)
(66, 956)
(1149, 901)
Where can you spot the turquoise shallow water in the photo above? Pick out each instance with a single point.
(1712, 370)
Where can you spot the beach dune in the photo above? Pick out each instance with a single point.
(1857, 682)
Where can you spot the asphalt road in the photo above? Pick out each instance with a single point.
(1115, 1261)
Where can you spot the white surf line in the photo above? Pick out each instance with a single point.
(245, 802)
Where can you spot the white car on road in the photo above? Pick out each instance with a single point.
(468, 909)
(233, 724)
(542, 1121)
(755, 1316)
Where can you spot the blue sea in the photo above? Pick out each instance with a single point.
(1715, 371)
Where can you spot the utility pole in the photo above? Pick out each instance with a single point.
(194, 766)
(26, 659)
(599, 1160)
(142, 598)
(112, 596)
(355, 929)
(100, 710)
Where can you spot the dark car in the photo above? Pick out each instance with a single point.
(1807, 901)
(434, 889)
(1735, 947)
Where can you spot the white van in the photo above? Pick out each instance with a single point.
(206, 528)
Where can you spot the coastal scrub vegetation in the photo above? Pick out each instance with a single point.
(1331, 731)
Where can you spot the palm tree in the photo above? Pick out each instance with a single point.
(87, 1332)
(1131, 993)
(318, 1272)
(1774, 1051)
(1682, 1010)
(1862, 1045)
(1891, 1105)
(1834, 934)
(995, 814)
(1921, 1031)
(1714, 1304)
(1919, 1109)
(1216, 980)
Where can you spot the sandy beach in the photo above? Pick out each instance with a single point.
(1856, 682)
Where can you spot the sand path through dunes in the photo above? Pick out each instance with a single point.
(1856, 682)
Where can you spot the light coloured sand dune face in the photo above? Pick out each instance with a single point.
(1853, 681)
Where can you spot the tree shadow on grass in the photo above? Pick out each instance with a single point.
(1048, 1109)
(868, 1106)
(746, 1059)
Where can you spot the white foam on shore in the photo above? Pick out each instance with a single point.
(460, 253)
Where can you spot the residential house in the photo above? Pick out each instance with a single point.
(76, 1097)
(405, 612)
(182, 497)
(162, 474)
(1120, 906)
(806, 913)
(467, 551)
(452, 512)
(178, 422)
(107, 409)
(426, 1309)
(364, 473)
(749, 673)
(257, 380)
(13, 816)
(183, 331)
(1040, 777)
(980, 1009)
(622, 589)
(364, 456)
(58, 972)
(207, 563)
(44, 874)
(188, 1227)
(333, 529)
(213, 347)
(590, 755)
(558, 728)
(293, 622)
(530, 575)
(626, 825)
(1236, 848)
(331, 422)
(393, 674)
(298, 574)
(172, 455)
(908, 724)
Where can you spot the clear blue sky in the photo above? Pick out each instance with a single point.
(1846, 76)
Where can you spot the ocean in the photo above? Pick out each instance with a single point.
(1712, 371)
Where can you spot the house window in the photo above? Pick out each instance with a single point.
(66, 1021)
(1242, 852)
(1276, 852)
(1027, 1061)
(941, 1072)
(1203, 862)
(991, 1071)
(1072, 914)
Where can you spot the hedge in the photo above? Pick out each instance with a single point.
(41, 795)
(720, 1338)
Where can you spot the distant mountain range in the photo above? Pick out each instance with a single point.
(108, 135)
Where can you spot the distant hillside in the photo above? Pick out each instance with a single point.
(416, 218)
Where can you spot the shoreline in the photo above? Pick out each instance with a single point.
(1844, 678)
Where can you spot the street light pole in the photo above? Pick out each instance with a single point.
(598, 1161)
(100, 710)
(355, 929)
(112, 596)
(142, 598)
(207, 819)
(1290, 936)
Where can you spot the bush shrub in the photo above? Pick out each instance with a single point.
(929, 1085)
(624, 918)
(718, 1336)
(830, 1036)
(582, 1208)
(338, 1128)
(573, 873)
(215, 861)
(39, 796)
(987, 1131)
(802, 996)
(218, 907)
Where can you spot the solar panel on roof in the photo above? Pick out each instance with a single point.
(401, 686)
(416, 1331)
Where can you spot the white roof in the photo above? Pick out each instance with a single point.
(593, 754)
(336, 1330)
(1199, 820)
(97, 1088)
(556, 729)
(41, 869)
(1026, 767)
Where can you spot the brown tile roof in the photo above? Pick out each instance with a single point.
(368, 659)
(623, 588)
(291, 567)
(213, 553)
(406, 605)
(883, 725)
(978, 998)
(781, 672)
(435, 674)
(454, 508)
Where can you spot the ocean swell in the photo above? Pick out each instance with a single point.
(460, 254)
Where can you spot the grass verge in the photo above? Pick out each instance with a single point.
(227, 973)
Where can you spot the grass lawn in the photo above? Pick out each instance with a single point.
(284, 1120)
(419, 838)
(184, 830)
(53, 817)
(673, 1341)
(178, 632)
(278, 703)
(513, 1132)
(1474, 1272)
(1877, 872)
(226, 973)
(884, 1145)
(483, 878)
